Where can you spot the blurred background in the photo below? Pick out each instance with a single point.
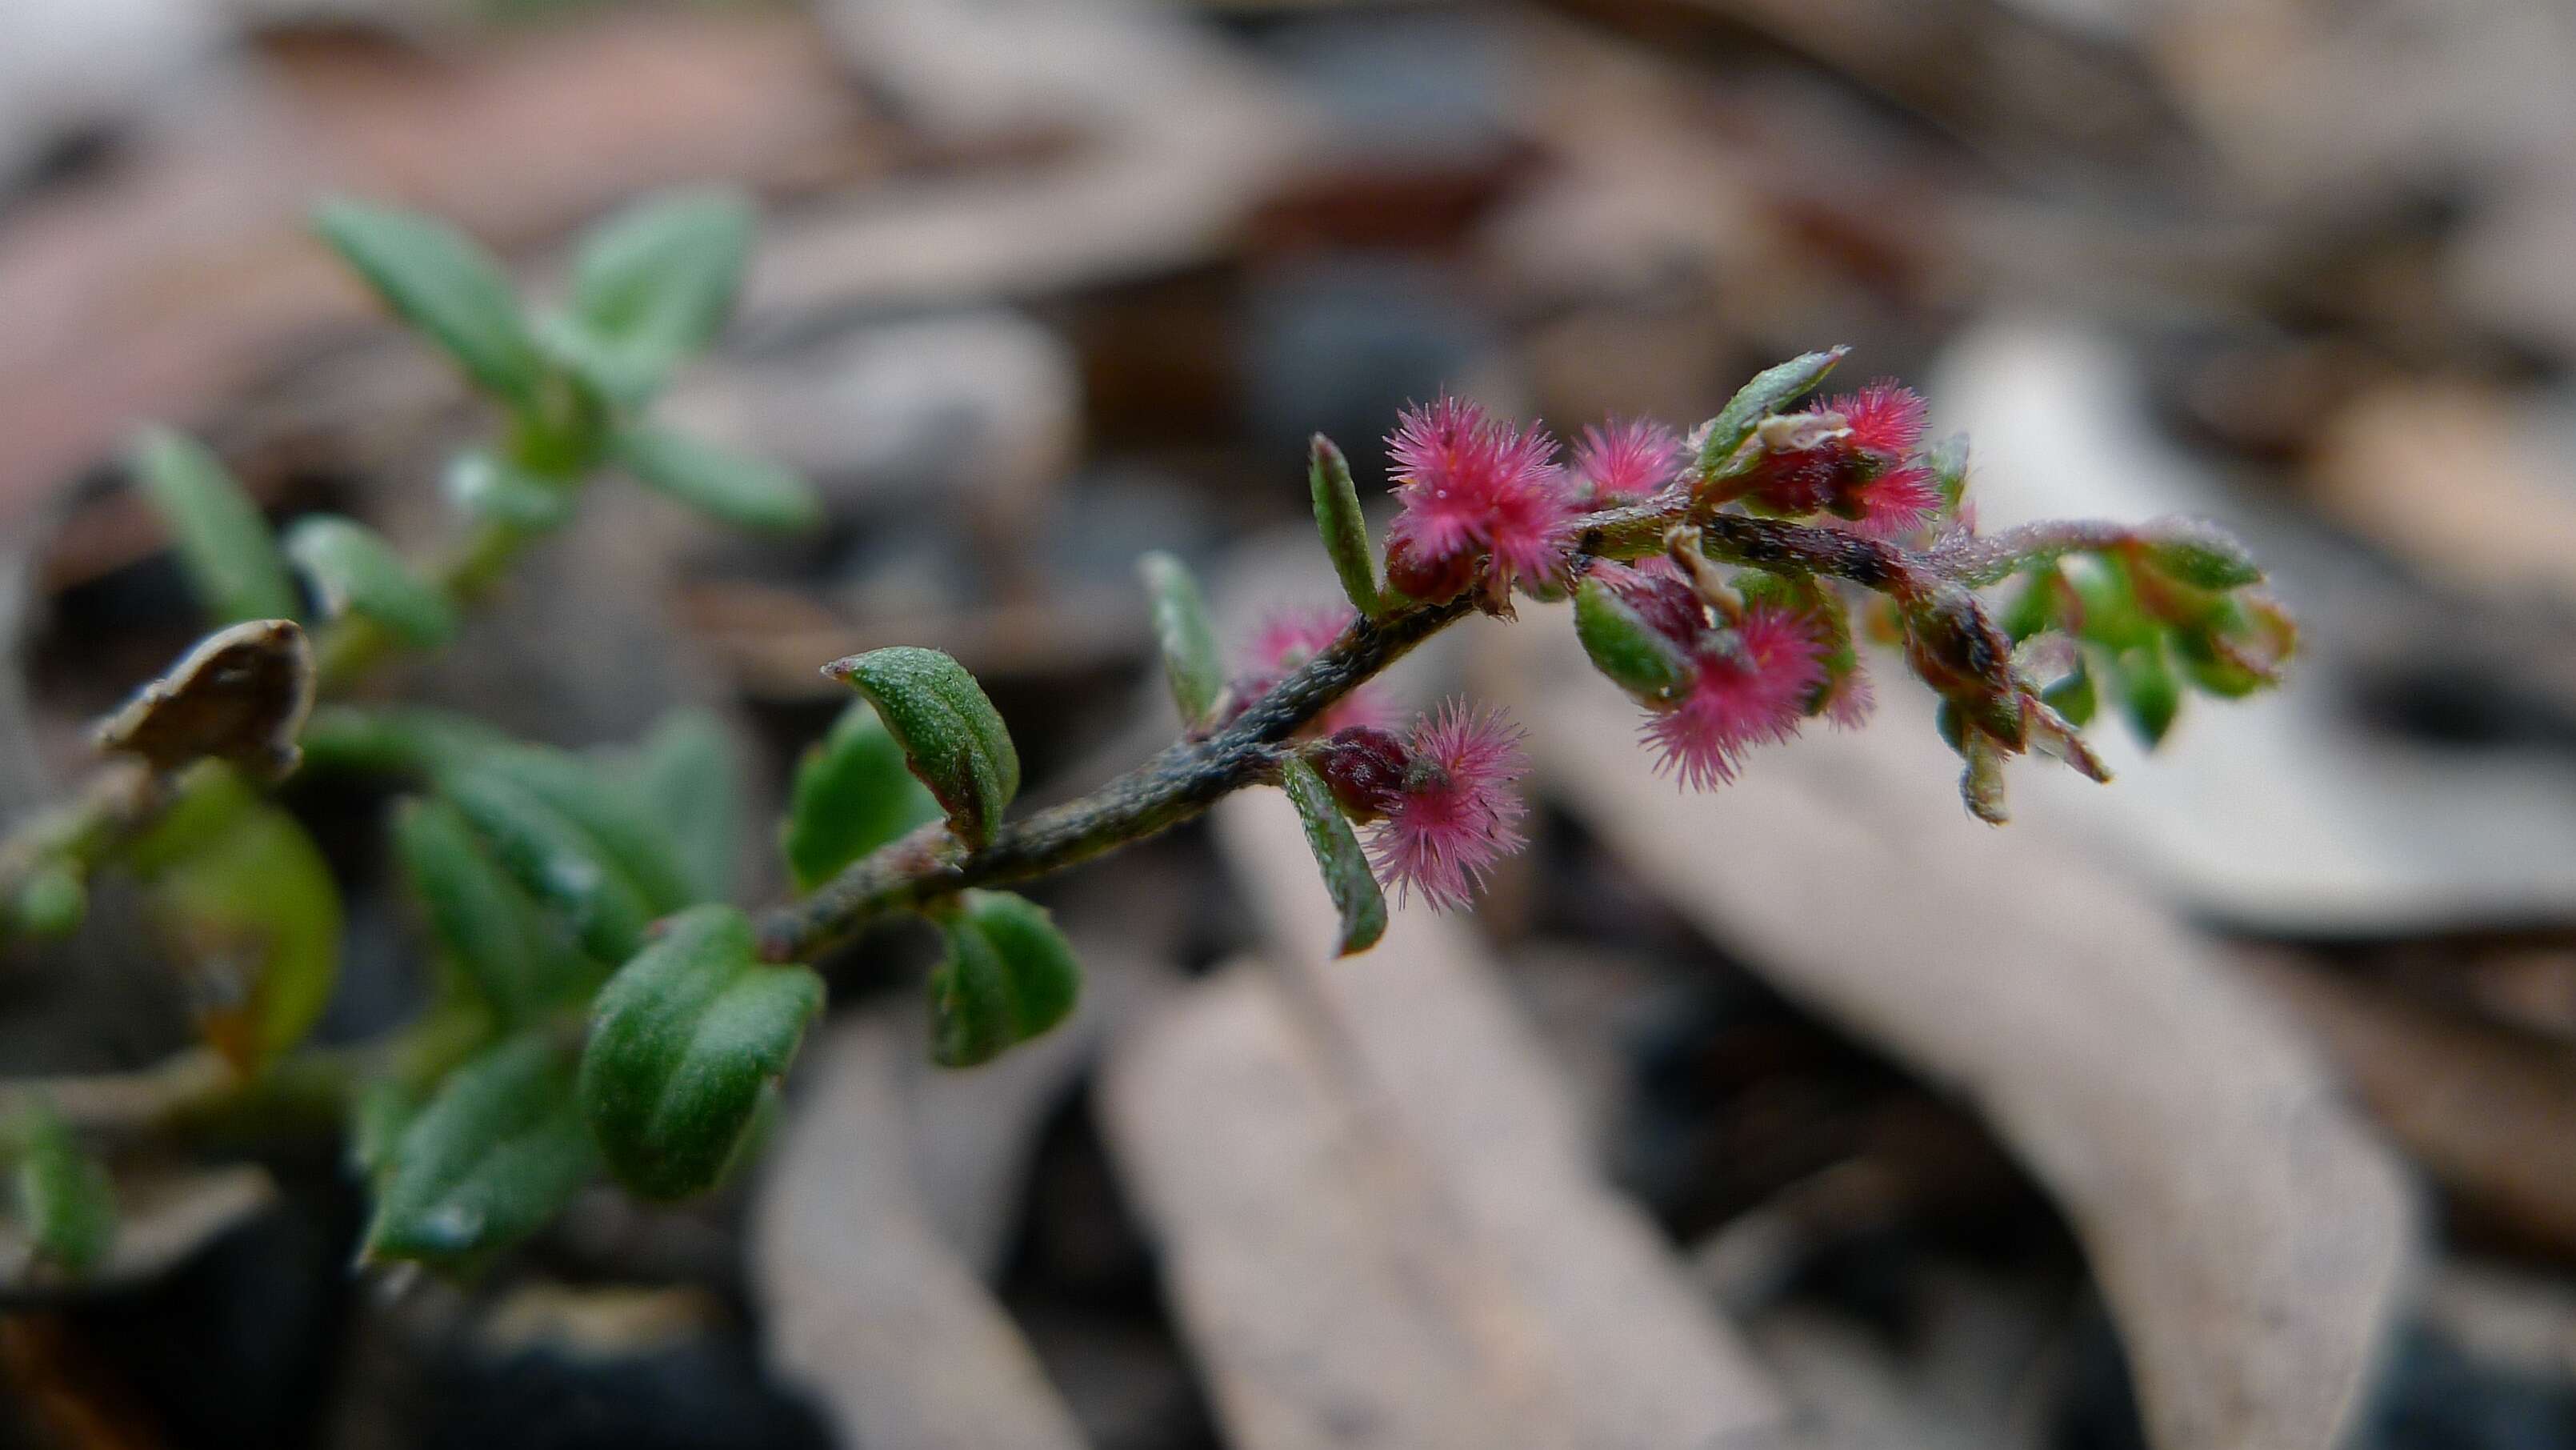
(2232, 1105)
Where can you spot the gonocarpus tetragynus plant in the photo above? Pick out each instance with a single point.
(605, 1006)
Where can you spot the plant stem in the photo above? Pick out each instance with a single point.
(1191, 775)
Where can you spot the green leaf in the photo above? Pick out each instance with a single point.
(1948, 458)
(949, 731)
(1190, 660)
(2201, 555)
(1344, 529)
(65, 1198)
(553, 858)
(354, 571)
(627, 834)
(1770, 390)
(248, 907)
(224, 545)
(685, 1043)
(444, 285)
(2147, 690)
(2107, 608)
(853, 793)
(413, 740)
(383, 1111)
(494, 1155)
(1624, 647)
(685, 775)
(1009, 976)
(52, 902)
(659, 278)
(734, 488)
(1337, 852)
(494, 490)
(2072, 696)
(484, 922)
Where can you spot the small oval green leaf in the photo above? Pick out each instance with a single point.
(2199, 554)
(483, 921)
(493, 1155)
(2148, 692)
(224, 545)
(1009, 976)
(1347, 876)
(1190, 659)
(951, 736)
(625, 831)
(246, 903)
(52, 901)
(494, 490)
(444, 285)
(354, 571)
(66, 1201)
(734, 488)
(1623, 647)
(686, 776)
(853, 793)
(685, 1043)
(1771, 389)
(660, 276)
(553, 858)
(1344, 529)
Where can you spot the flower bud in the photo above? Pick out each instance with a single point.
(1365, 766)
(1411, 573)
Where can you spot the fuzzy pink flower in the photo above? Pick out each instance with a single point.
(1290, 637)
(1893, 504)
(1625, 462)
(1849, 703)
(1454, 814)
(1886, 418)
(1470, 484)
(1867, 471)
(1751, 686)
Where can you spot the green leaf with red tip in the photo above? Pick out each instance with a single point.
(225, 548)
(686, 1042)
(66, 1202)
(733, 488)
(853, 793)
(1343, 527)
(354, 571)
(445, 286)
(952, 737)
(1190, 660)
(1624, 647)
(1347, 877)
(487, 1161)
(1771, 389)
(1009, 975)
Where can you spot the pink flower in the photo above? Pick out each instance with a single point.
(1287, 639)
(1752, 685)
(1886, 418)
(1894, 504)
(1868, 471)
(1470, 483)
(1625, 462)
(1452, 813)
(1849, 703)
